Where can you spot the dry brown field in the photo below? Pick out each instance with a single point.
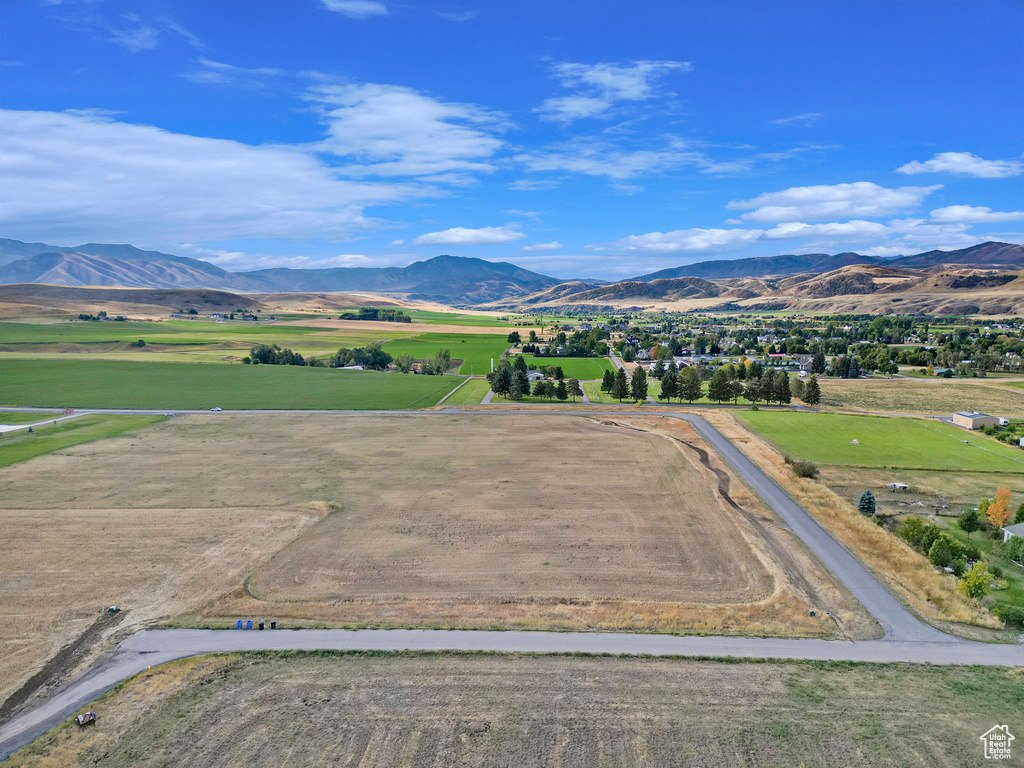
(61, 564)
(454, 521)
(931, 396)
(521, 711)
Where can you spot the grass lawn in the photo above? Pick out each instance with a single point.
(890, 442)
(475, 350)
(116, 384)
(581, 368)
(18, 446)
(1013, 574)
(471, 393)
(11, 418)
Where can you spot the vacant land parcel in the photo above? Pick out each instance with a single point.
(477, 710)
(431, 520)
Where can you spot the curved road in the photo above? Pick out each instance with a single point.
(906, 638)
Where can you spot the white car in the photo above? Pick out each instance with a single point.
(218, 409)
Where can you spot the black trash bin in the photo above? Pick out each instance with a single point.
(273, 625)
(261, 625)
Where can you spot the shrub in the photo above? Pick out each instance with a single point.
(912, 531)
(1014, 549)
(996, 571)
(942, 552)
(976, 582)
(1012, 615)
(805, 469)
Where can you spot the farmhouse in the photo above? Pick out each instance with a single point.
(533, 376)
(1013, 530)
(974, 420)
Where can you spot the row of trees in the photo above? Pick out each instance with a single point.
(770, 386)
(377, 313)
(514, 384)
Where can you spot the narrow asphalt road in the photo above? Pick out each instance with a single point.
(906, 637)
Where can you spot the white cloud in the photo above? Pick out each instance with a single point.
(849, 230)
(532, 185)
(965, 164)
(684, 240)
(970, 214)
(464, 236)
(399, 241)
(601, 85)
(135, 34)
(389, 130)
(356, 9)
(805, 119)
(552, 246)
(85, 176)
(218, 73)
(456, 15)
(598, 157)
(838, 201)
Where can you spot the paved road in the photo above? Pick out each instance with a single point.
(906, 638)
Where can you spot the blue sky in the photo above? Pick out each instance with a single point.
(579, 139)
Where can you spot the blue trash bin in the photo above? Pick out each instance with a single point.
(248, 624)
(238, 624)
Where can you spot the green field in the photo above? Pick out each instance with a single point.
(1010, 590)
(21, 445)
(11, 418)
(581, 368)
(471, 393)
(475, 350)
(79, 383)
(827, 438)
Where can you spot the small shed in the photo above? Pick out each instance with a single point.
(1010, 531)
(533, 376)
(974, 420)
(893, 487)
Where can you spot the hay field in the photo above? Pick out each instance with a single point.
(930, 396)
(482, 710)
(468, 521)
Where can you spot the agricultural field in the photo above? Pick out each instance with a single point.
(428, 520)
(476, 351)
(80, 383)
(12, 418)
(475, 709)
(933, 396)
(21, 445)
(582, 368)
(827, 438)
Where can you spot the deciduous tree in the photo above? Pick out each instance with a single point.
(999, 510)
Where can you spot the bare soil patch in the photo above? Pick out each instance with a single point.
(521, 711)
(467, 521)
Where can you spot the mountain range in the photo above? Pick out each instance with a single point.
(470, 281)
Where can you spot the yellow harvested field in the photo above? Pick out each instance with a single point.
(931, 396)
(469, 521)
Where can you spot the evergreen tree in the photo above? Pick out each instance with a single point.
(866, 505)
(780, 388)
(519, 364)
(818, 365)
(607, 380)
(539, 390)
(672, 367)
(620, 387)
(514, 338)
(520, 385)
(756, 370)
(718, 388)
(638, 384)
(658, 370)
(735, 390)
(561, 392)
(669, 386)
(558, 373)
(690, 386)
(768, 385)
(752, 391)
(812, 392)
(1019, 517)
(502, 384)
(574, 389)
